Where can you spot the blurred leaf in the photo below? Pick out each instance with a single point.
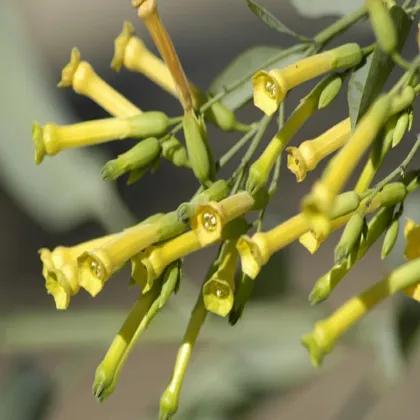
(26, 393)
(320, 8)
(65, 190)
(247, 62)
(368, 80)
(271, 21)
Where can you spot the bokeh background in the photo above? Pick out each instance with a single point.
(257, 370)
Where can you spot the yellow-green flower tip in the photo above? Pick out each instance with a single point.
(320, 292)
(257, 177)
(296, 163)
(207, 223)
(69, 70)
(94, 271)
(315, 352)
(38, 139)
(269, 91)
(218, 296)
(112, 170)
(58, 288)
(168, 404)
(120, 45)
(251, 259)
(103, 385)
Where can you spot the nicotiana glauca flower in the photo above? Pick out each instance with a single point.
(81, 76)
(270, 88)
(329, 330)
(219, 290)
(97, 265)
(59, 268)
(260, 170)
(210, 219)
(52, 139)
(306, 157)
(319, 203)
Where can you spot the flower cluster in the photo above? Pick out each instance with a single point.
(230, 212)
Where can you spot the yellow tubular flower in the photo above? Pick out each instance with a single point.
(256, 251)
(327, 331)
(108, 371)
(97, 265)
(307, 156)
(148, 266)
(412, 251)
(132, 53)
(52, 139)
(318, 205)
(85, 81)
(170, 398)
(377, 155)
(259, 171)
(271, 87)
(147, 11)
(60, 270)
(219, 290)
(210, 219)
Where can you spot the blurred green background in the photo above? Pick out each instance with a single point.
(256, 370)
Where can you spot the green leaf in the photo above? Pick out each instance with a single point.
(367, 81)
(250, 61)
(320, 8)
(272, 22)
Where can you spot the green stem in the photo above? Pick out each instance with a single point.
(340, 26)
(239, 173)
(399, 170)
(238, 146)
(400, 61)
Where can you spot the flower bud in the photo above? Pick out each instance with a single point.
(138, 157)
(400, 128)
(350, 237)
(382, 25)
(390, 195)
(391, 236)
(330, 91)
(329, 330)
(172, 278)
(175, 152)
(199, 153)
(170, 398)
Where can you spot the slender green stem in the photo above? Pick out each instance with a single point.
(239, 173)
(276, 174)
(369, 49)
(238, 146)
(407, 76)
(175, 120)
(340, 26)
(400, 61)
(400, 170)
